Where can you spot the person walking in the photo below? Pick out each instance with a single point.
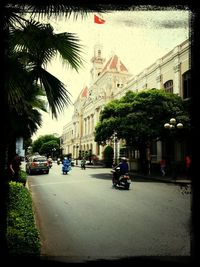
(187, 166)
(14, 167)
(163, 166)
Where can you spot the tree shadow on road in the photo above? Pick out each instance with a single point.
(108, 176)
(104, 176)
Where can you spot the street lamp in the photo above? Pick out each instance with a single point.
(77, 154)
(115, 140)
(53, 150)
(172, 124)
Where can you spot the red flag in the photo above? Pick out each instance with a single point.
(98, 20)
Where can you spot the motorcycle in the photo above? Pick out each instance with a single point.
(66, 167)
(123, 181)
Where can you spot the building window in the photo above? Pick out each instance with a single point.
(119, 85)
(169, 86)
(186, 85)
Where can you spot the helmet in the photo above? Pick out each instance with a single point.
(123, 158)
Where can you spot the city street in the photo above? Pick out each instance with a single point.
(81, 217)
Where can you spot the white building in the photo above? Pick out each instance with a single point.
(111, 81)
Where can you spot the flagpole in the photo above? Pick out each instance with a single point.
(98, 20)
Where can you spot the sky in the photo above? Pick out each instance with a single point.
(138, 38)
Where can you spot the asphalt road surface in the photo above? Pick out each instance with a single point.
(81, 217)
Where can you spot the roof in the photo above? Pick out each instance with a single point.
(114, 63)
(84, 92)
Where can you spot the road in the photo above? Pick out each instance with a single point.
(81, 217)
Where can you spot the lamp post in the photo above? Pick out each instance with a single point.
(77, 154)
(61, 147)
(53, 150)
(172, 125)
(115, 140)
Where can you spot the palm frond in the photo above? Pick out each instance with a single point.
(58, 96)
(39, 45)
(69, 49)
(61, 8)
(17, 81)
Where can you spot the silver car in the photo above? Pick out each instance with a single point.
(37, 164)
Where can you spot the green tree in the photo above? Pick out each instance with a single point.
(139, 118)
(30, 45)
(45, 143)
(49, 147)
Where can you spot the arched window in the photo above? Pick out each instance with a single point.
(169, 86)
(186, 84)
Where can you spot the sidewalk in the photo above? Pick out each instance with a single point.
(166, 179)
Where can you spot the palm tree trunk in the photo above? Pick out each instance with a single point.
(3, 146)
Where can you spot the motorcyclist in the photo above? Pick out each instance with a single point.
(66, 165)
(83, 162)
(121, 168)
(50, 161)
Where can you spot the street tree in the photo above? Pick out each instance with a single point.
(45, 143)
(49, 148)
(139, 119)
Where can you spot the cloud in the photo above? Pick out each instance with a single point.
(154, 19)
(172, 24)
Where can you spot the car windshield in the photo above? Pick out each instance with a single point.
(39, 159)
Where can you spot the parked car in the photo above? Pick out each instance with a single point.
(37, 164)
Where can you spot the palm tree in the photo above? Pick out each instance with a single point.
(24, 67)
(31, 46)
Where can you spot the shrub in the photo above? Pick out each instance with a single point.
(22, 234)
(22, 176)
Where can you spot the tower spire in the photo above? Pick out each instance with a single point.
(97, 61)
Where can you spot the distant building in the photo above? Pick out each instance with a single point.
(111, 81)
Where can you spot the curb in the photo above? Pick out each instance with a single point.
(165, 180)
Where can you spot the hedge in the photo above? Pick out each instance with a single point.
(22, 235)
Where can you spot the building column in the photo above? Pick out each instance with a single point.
(158, 74)
(177, 77)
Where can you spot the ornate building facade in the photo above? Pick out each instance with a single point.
(111, 81)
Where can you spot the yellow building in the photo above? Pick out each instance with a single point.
(111, 81)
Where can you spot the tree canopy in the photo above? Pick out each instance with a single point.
(140, 117)
(45, 143)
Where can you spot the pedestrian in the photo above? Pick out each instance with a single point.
(163, 166)
(83, 162)
(14, 167)
(187, 166)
